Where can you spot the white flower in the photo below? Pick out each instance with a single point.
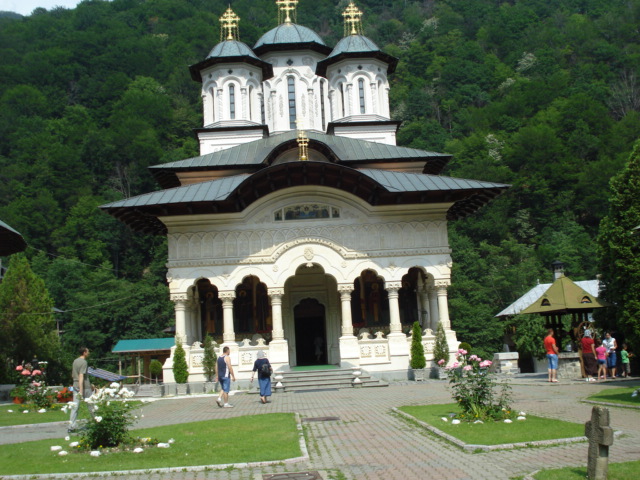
(62, 453)
(478, 421)
(138, 450)
(444, 419)
(521, 418)
(141, 416)
(74, 444)
(67, 438)
(163, 445)
(171, 440)
(508, 421)
(98, 419)
(42, 410)
(96, 408)
(56, 448)
(455, 422)
(63, 409)
(114, 385)
(95, 453)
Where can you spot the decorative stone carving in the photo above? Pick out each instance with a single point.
(196, 360)
(308, 253)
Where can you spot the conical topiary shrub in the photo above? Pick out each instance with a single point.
(418, 359)
(441, 348)
(180, 370)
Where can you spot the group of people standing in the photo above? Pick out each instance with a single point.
(601, 357)
(598, 357)
(225, 375)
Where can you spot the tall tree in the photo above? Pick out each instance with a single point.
(27, 326)
(619, 252)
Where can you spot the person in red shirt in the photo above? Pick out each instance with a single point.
(589, 356)
(552, 355)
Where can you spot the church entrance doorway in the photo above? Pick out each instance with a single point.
(311, 332)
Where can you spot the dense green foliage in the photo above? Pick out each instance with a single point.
(441, 348)
(418, 359)
(620, 250)
(209, 359)
(541, 94)
(180, 368)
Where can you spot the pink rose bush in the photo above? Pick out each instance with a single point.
(476, 391)
(32, 383)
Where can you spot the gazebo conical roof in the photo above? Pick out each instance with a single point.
(564, 296)
(10, 240)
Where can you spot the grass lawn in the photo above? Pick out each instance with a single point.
(616, 395)
(495, 433)
(236, 440)
(617, 471)
(13, 414)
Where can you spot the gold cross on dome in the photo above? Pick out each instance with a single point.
(352, 23)
(229, 25)
(303, 141)
(285, 7)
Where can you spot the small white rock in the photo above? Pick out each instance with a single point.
(455, 421)
(522, 413)
(10, 411)
(95, 453)
(521, 418)
(444, 419)
(163, 445)
(138, 450)
(67, 438)
(56, 448)
(478, 421)
(42, 410)
(25, 411)
(508, 421)
(62, 453)
(74, 444)
(171, 440)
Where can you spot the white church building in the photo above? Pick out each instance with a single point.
(301, 229)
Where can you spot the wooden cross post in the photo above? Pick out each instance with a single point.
(600, 436)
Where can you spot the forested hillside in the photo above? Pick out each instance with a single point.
(541, 94)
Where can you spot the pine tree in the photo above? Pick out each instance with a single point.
(619, 253)
(441, 349)
(180, 370)
(209, 360)
(417, 350)
(27, 326)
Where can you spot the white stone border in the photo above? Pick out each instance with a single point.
(488, 448)
(609, 404)
(197, 468)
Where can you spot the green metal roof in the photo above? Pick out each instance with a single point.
(290, 36)
(144, 345)
(10, 240)
(344, 149)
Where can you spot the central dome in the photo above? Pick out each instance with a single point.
(284, 36)
(231, 48)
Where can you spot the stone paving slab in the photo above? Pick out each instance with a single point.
(369, 442)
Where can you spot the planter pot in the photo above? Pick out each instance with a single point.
(209, 387)
(157, 390)
(181, 389)
(418, 374)
(18, 400)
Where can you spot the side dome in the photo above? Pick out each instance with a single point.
(231, 48)
(354, 44)
(356, 47)
(288, 36)
(230, 51)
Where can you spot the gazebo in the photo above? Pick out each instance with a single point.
(10, 240)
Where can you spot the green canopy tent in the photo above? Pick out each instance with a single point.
(10, 240)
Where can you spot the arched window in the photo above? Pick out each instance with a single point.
(343, 112)
(250, 102)
(232, 102)
(322, 117)
(292, 102)
(262, 115)
(361, 92)
(212, 92)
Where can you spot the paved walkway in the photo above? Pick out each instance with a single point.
(368, 442)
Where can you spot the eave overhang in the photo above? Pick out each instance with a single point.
(196, 69)
(233, 195)
(323, 65)
(10, 240)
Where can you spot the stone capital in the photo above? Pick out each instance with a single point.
(179, 297)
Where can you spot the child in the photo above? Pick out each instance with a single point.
(625, 356)
(601, 355)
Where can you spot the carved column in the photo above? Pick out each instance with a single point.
(218, 108)
(373, 95)
(348, 101)
(180, 301)
(228, 335)
(345, 300)
(443, 304)
(394, 307)
(206, 109)
(332, 105)
(434, 316)
(244, 114)
(276, 312)
(423, 297)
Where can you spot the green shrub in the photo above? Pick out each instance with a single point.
(109, 426)
(465, 346)
(180, 371)
(441, 348)
(417, 350)
(155, 368)
(209, 360)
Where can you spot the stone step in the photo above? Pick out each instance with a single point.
(325, 379)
